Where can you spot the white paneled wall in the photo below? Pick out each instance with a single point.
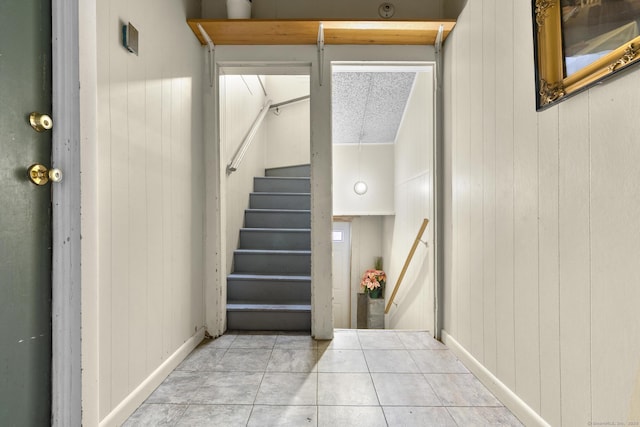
(371, 163)
(241, 99)
(150, 194)
(542, 282)
(413, 203)
(288, 130)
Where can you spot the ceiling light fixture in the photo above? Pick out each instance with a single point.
(360, 188)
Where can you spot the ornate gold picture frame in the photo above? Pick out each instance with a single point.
(580, 42)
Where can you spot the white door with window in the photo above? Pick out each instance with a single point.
(341, 237)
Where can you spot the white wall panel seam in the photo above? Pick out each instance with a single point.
(590, 266)
(513, 225)
(559, 275)
(538, 259)
(484, 183)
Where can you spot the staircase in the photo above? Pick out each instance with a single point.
(270, 287)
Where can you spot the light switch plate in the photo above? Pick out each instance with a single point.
(130, 38)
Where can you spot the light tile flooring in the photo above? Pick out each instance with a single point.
(360, 378)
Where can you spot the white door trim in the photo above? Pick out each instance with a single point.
(321, 156)
(320, 149)
(66, 400)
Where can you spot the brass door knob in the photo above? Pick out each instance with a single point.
(40, 121)
(40, 175)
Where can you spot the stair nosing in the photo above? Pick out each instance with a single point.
(268, 307)
(274, 251)
(283, 277)
(279, 210)
(280, 193)
(283, 230)
(283, 177)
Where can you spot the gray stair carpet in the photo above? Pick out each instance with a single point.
(270, 287)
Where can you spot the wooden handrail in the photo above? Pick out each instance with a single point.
(406, 264)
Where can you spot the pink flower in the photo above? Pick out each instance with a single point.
(373, 279)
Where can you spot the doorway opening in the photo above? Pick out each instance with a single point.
(341, 269)
(264, 130)
(383, 178)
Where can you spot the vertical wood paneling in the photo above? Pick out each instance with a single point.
(154, 244)
(574, 256)
(413, 202)
(150, 213)
(505, 134)
(138, 222)
(476, 193)
(615, 250)
(452, 46)
(120, 217)
(527, 350)
(462, 184)
(180, 202)
(489, 182)
(414, 298)
(194, 128)
(445, 304)
(561, 186)
(177, 249)
(153, 199)
(104, 214)
(167, 205)
(548, 267)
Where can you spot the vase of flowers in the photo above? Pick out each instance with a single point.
(373, 282)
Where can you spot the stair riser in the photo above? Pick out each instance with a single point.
(272, 263)
(287, 185)
(250, 239)
(265, 292)
(253, 219)
(268, 321)
(280, 201)
(290, 171)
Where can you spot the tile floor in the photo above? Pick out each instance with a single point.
(360, 378)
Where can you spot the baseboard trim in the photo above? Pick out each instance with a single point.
(130, 403)
(520, 409)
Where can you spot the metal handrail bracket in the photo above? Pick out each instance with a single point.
(290, 101)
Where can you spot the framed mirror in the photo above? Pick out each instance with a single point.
(581, 42)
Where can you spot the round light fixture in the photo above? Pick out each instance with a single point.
(360, 188)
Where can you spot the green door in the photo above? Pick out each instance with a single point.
(25, 215)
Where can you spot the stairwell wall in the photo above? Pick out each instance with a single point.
(288, 131)
(241, 98)
(413, 201)
(371, 163)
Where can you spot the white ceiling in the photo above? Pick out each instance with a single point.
(368, 106)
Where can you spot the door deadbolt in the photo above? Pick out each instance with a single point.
(40, 175)
(40, 121)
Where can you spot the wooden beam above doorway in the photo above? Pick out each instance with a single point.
(296, 32)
